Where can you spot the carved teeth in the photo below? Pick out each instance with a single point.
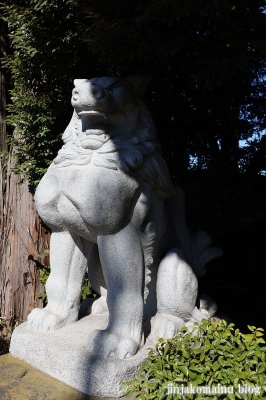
(92, 112)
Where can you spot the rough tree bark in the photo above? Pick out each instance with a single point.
(23, 238)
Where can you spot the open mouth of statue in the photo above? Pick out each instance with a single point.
(94, 128)
(94, 122)
(93, 113)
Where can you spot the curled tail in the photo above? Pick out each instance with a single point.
(196, 246)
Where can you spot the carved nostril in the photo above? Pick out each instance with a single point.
(75, 94)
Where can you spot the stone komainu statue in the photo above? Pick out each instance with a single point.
(111, 206)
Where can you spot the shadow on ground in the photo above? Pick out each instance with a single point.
(20, 381)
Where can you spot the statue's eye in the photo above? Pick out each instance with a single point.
(113, 87)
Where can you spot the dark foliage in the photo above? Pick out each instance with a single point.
(4, 346)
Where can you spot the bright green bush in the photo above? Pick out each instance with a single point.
(212, 354)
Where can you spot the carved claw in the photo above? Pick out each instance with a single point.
(206, 303)
(164, 326)
(45, 320)
(111, 345)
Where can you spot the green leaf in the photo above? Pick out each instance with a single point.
(185, 353)
(192, 374)
(251, 328)
(166, 348)
(184, 369)
(215, 366)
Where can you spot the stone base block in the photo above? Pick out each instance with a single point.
(63, 355)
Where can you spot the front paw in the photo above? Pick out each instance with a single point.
(45, 320)
(111, 345)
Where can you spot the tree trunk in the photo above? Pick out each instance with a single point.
(23, 238)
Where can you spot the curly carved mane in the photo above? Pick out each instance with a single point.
(139, 151)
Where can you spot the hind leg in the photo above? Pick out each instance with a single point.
(177, 289)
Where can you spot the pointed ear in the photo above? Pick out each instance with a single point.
(140, 83)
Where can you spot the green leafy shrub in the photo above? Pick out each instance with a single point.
(5, 338)
(44, 274)
(210, 355)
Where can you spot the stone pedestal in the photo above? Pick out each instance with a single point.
(63, 355)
